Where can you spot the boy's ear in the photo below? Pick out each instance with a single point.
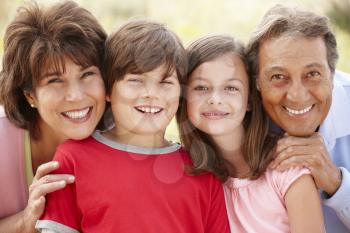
(30, 98)
(108, 98)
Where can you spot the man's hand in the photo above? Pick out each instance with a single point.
(309, 152)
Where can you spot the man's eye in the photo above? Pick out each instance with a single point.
(278, 77)
(201, 88)
(313, 74)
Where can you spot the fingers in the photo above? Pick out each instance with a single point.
(51, 178)
(308, 161)
(295, 151)
(45, 169)
(288, 141)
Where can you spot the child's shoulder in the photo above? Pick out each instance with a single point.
(282, 180)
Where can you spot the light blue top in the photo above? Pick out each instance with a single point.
(336, 133)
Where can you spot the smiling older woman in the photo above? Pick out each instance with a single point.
(51, 90)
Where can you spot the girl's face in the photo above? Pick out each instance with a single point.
(70, 104)
(144, 104)
(217, 95)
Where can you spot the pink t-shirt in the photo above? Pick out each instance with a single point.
(255, 206)
(13, 184)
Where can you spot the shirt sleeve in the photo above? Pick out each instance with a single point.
(286, 178)
(217, 219)
(340, 201)
(61, 212)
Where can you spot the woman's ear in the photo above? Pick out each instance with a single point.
(30, 98)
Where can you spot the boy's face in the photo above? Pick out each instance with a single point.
(145, 103)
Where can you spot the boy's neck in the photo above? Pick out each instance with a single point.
(230, 147)
(139, 140)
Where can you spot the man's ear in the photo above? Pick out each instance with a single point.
(30, 98)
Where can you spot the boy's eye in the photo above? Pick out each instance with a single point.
(87, 74)
(54, 80)
(201, 88)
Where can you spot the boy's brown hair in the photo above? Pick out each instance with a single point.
(40, 38)
(140, 46)
(257, 143)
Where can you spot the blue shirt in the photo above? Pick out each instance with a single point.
(336, 133)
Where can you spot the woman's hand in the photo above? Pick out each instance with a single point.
(43, 183)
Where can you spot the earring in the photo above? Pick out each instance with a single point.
(32, 105)
(257, 85)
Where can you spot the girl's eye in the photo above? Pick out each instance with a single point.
(201, 88)
(233, 89)
(87, 74)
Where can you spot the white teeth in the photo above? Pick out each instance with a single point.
(77, 114)
(298, 112)
(149, 109)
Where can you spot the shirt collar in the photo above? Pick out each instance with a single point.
(337, 122)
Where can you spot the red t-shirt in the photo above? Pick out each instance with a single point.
(121, 188)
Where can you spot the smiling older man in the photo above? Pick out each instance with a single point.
(292, 56)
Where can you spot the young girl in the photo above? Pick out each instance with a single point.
(227, 134)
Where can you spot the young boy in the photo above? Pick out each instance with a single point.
(129, 178)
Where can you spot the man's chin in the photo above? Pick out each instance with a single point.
(300, 132)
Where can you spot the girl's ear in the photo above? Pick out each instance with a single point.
(249, 106)
(30, 98)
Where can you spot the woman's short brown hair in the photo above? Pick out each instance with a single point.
(140, 46)
(257, 144)
(40, 38)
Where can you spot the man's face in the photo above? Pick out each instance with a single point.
(295, 83)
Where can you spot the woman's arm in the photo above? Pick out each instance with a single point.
(304, 206)
(43, 183)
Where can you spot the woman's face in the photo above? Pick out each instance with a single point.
(217, 96)
(70, 104)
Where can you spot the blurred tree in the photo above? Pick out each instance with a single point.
(339, 13)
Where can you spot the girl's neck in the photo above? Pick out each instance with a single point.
(230, 147)
(44, 147)
(156, 140)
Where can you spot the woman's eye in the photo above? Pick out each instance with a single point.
(134, 80)
(166, 82)
(233, 89)
(201, 88)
